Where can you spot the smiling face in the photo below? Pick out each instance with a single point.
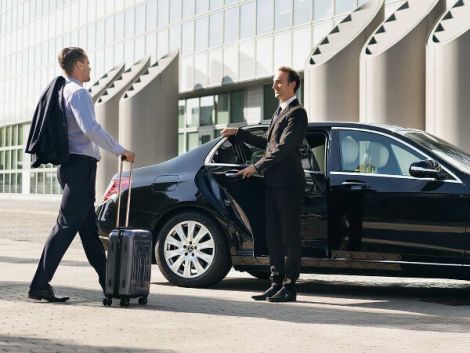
(82, 69)
(283, 89)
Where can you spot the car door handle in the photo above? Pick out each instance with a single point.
(231, 173)
(354, 185)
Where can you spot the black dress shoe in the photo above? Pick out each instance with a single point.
(283, 295)
(270, 291)
(46, 294)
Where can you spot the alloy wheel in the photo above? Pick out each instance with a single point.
(189, 249)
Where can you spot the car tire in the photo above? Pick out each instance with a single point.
(202, 262)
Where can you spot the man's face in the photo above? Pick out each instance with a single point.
(84, 69)
(283, 90)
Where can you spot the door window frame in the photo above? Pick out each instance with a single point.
(208, 161)
(335, 157)
(327, 136)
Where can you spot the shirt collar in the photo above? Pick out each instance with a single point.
(71, 79)
(285, 104)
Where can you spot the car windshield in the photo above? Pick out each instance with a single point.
(448, 152)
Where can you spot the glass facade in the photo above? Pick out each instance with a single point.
(226, 46)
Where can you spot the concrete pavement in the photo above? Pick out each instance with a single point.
(333, 314)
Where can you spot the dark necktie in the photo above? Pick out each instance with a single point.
(276, 114)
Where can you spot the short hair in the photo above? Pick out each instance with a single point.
(69, 56)
(293, 76)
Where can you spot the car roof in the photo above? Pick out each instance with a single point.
(357, 125)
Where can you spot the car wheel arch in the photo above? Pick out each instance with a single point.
(174, 212)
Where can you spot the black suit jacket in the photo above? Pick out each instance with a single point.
(282, 163)
(48, 136)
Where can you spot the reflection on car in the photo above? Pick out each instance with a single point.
(378, 200)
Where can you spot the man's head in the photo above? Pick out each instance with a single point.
(75, 63)
(286, 82)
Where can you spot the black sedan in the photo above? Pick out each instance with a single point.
(379, 200)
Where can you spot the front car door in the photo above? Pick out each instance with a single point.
(379, 213)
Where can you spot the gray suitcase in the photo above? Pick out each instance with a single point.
(129, 262)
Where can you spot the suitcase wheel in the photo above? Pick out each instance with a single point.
(107, 301)
(124, 302)
(143, 300)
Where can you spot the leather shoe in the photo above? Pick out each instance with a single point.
(46, 294)
(269, 292)
(283, 295)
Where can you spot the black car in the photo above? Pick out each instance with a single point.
(379, 200)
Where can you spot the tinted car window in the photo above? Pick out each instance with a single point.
(370, 153)
(313, 152)
(251, 153)
(226, 154)
(443, 149)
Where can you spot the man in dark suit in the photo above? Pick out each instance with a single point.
(284, 180)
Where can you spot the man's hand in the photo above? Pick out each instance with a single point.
(128, 156)
(247, 172)
(229, 131)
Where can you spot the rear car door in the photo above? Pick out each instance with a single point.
(379, 212)
(245, 197)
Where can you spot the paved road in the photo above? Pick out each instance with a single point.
(333, 314)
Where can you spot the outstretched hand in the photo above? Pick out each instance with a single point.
(247, 172)
(229, 131)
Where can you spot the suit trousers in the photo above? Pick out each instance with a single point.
(77, 178)
(283, 207)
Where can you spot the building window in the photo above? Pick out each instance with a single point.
(140, 19)
(163, 12)
(192, 141)
(129, 23)
(188, 8)
(175, 10)
(231, 24)
(181, 113)
(206, 111)
(270, 103)
(215, 4)
(202, 6)
(237, 104)
(283, 14)
(202, 31)
(322, 9)
(11, 158)
(216, 29)
(151, 13)
(302, 11)
(342, 6)
(181, 144)
(247, 20)
(265, 13)
(188, 38)
(175, 37)
(205, 139)
(192, 112)
(221, 103)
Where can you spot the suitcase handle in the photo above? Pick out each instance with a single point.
(121, 162)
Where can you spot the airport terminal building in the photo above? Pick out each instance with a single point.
(225, 53)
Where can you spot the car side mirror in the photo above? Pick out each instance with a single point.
(426, 169)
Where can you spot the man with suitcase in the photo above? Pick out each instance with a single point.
(77, 178)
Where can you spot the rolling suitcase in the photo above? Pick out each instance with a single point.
(129, 260)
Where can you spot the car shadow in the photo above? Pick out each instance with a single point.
(387, 310)
(362, 288)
